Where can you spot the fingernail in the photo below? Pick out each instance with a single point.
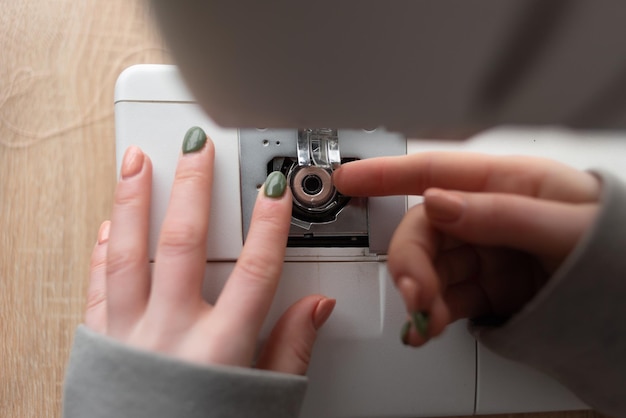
(404, 332)
(408, 289)
(103, 232)
(442, 206)
(132, 162)
(322, 311)
(420, 321)
(194, 141)
(275, 184)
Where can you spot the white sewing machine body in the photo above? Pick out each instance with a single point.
(360, 368)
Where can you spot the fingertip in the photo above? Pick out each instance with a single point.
(348, 179)
(132, 162)
(273, 205)
(103, 232)
(322, 312)
(210, 147)
(275, 185)
(423, 325)
(410, 335)
(337, 177)
(290, 345)
(148, 165)
(195, 141)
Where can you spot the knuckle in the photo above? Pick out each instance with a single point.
(191, 175)
(258, 271)
(301, 351)
(95, 299)
(121, 261)
(126, 195)
(181, 237)
(265, 218)
(98, 261)
(270, 218)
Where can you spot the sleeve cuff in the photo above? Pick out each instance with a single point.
(574, 328)
(105, 378)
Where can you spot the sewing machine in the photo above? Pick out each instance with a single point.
(359, 368)
(283, 96)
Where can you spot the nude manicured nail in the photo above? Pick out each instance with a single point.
(103, 232)
(443, 206)
(132, 162)
(322, 312)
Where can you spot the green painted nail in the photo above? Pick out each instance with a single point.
(404, 333)
(195, 138)
(275, 184)
(420, 320)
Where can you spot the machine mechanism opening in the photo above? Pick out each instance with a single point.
(322, 218)
(318, 205)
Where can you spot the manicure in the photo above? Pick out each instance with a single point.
(194, 141)
(103, 232)
(404, 332)
(322, 312)
(132, 162)
(420, 321)
(443, 206)
(275, 185)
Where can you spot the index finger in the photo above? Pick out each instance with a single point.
(413, 174)
(248, 294)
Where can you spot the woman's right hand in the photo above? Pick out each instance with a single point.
(490, 233)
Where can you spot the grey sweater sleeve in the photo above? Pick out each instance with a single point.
(107, 379)
(575, 327)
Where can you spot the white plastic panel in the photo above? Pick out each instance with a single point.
(505, 386)
(352, 284)
(151, 83)
(158, 128)
(359, 367)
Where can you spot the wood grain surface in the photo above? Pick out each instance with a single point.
(58, 64)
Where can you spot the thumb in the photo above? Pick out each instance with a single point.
(548, 229)
(289, 346)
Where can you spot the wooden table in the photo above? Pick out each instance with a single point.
(58, 65)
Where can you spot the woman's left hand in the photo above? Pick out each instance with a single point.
(162, 310)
